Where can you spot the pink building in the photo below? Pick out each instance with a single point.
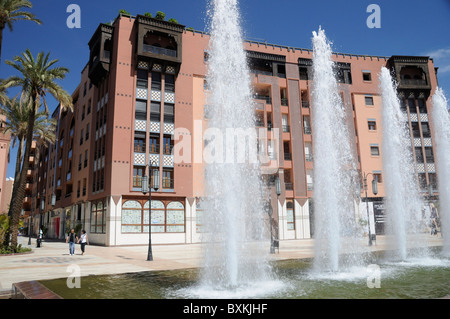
(143, 92)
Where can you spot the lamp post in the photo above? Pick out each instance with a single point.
(375, 192)
(145, 189)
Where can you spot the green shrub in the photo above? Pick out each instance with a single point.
(8, 250)
(173, 20)
(148, 14)
(122, 11)
(160, 15)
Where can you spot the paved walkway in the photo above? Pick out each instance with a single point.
(52, 259)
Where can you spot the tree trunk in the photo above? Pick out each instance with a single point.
(15, 185)
(17, 201)
(2, 27)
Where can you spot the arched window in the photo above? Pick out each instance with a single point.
(158, 216)
(175, 217)
(131, 217)
(166, 216)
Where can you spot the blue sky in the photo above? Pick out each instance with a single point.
(408, 27)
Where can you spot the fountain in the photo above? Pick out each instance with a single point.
(403, 202)
(334, 165)
(441, 127)
(233, 209)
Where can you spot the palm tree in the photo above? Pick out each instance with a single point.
(12, 11)
(38, 78)
(17, 115)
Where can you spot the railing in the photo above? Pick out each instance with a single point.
(414, 82)
(430, 159)
(266, 98)
(167, 149)
(156, 86)
(137, 181)
(154, 148)
(139, 148)
(169, 87)
(167, 183)
(286, 129)
(107, 55)
(269, 126)
(284, 102)
(259, 123)
(305, 104)
(309, 157)
(289, 186)
(158, 50)
(310, 186)
(287, 156)
(307, 130)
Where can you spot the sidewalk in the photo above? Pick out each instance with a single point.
(51, 261)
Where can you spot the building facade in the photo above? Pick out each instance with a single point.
(143, 92)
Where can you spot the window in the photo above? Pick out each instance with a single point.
(169, 83)
(167, 216)
(138, 173)
(290, 214)
(169, 115)
(98, 218)
(85, 158)
(141, 110)
(419, 154)
(372, 125)
(306, 124)
(167, 179)
(156, 81)
(374, 150)
(167, 145)
(429, 154)
(425, 129)
(154, 144)
(155, 112)
(139, 143)
(142, 79)
(377, 177)
(367, 76)
(369, 100)
(87, 132)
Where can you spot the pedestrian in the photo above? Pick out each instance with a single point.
(71, 239)
(84, 240)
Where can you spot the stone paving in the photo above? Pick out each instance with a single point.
(52, 260)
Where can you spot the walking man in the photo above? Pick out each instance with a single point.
(72, 239)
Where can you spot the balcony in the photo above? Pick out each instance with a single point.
(266, 98)
(159, 40)
(160, 51)
(289, 186)
(167, 183)
(100, 47)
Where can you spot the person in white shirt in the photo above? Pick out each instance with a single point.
(84, 240)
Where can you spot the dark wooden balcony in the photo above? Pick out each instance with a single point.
(100, 47)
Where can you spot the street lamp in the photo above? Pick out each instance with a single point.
(375, 192)
(145, 188)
